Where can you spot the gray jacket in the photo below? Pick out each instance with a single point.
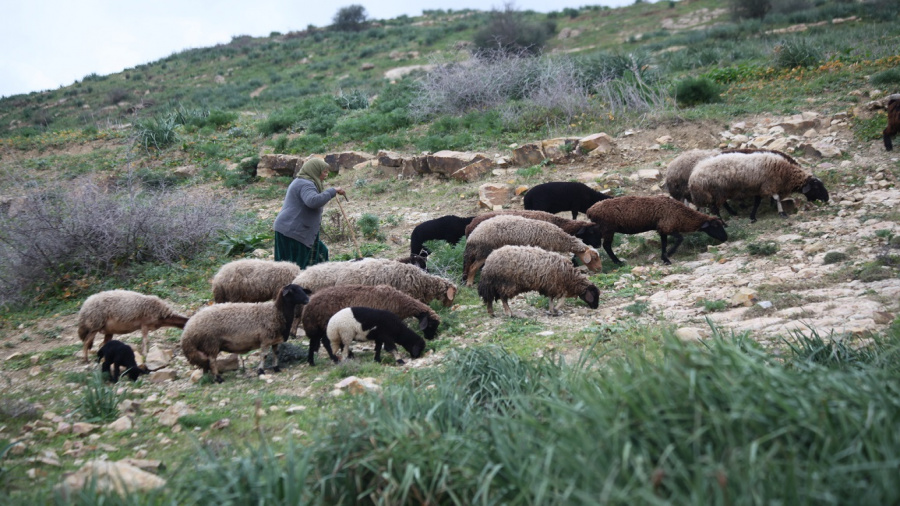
(301, 213)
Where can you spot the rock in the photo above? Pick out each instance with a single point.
(122, 424)
(528, 155)
(689, 334)
(492, 194)
(228, 362)
(761, 141)
(129, 406)
(295, 409)
(812, 249)
(389, 159)
(559, 148)
(221, 424)
(744, 297)
(347, 159)
(271, 165)
(367, 66)
(520, 190)
(665, 139)
(799, 125)
(197, 375)
(145, 464)
(163, 376)
(157, 358)
(413, 166)
(648, 174)
(356, 385)
(119, 477)
(882, 317)
(447, 162)
(169, 417)
(473, 171)
(186, 171)
(820, 149)
(82, 428)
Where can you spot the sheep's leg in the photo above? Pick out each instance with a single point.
(214, 370)
(314, 347)
(607, 247)
(757, 200)
(888, 146)
(327, 344)
(263, 350)
(88, 344)
(506, 308)
(490, 307)
(115, 373)
(104, 368)
(678, 238)
(554, 310)
(144, 331)
(714, 209)
(275, 368)
(780, 209)
(663, 238)
(574, 214)
(378, 344)
(728, 208)
(473, 270)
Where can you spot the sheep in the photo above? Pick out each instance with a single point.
(358, 323)
(417, 260)
(756, 175)
(584, 230)
(633, 215)
(446, 228)
(123, 311)
(379, 271)
(560, 196)
(679, 170)
(516, 230)
(893, 127)
(511, 270)
(326, 302)
(252, 280)
(239, 327)
(118, 357)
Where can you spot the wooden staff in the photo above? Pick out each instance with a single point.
(352, 233)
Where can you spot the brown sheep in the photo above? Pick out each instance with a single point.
(584, 230)
(893, 127)
(634, 215)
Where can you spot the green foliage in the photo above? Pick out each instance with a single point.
(637, 308)
(509, 31)
(712, 305)
(752, 9)
(369, 226)
(693, 91)
(889, 77)
(762, 248)
(351, 18)
(157, 132)
(796, 53)
(353, 100)
(239, 244)
(734, 73)
(874, 271)
(99, 401)
(445, 259)
(833, 257)
(869, 129)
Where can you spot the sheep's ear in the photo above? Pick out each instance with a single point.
(586, 256)
(806, 188)
(451, 292)
(423, 322)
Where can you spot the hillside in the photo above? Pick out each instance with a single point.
(829, 272)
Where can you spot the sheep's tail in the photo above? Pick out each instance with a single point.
(219, 294)
(194, 355)
(83, 331)
(487, 292)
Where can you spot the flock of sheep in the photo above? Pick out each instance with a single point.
(260, 303)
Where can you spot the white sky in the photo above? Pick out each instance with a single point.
(52, 43)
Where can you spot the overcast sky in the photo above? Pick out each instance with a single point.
(52, 43)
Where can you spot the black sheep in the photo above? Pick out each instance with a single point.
(561, 196)
(448, 228)
(358, 323)
(117, 355)
(893, 128)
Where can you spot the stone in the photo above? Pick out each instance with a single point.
(744, 297)
(474, 171)
(389, 159)
(119, 477)
(163, 376)
(347, 159)
(447, 162)
(82, 428)
(355, 385)
(648, 174)
(761, 141)
(186, 171)
(820, 149)
(169, 417)
(157, 358)
(221, 424)
(415, 165)
(882, 317)
(812, 249)
(689, 334)
(295, 409)
(665, 139)
(122, 424)
(367, 66)
(197, 375)
(228, 362)
(558, 149)
(145, 464)
(493, 194)
(272, 165)
(800, 125)
(528, 155)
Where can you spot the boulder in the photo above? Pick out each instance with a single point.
(347, 159)
(491, 195)
(271, 165)
(820, 150)
(356, 385)
(744, 297)
(558, 149)
(119, 477)
(228, 362)
(415, 165)
(389, 159)
(169, 417)
(122, 424)
(528, 155)
(596, 141)
(163, 376)
(157, 358)
(473, 171)
(447, 162)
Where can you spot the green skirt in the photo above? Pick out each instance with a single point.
(289, 250)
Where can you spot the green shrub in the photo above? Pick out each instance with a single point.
(369, 226)
(874, 271)
(795, 53)
(157, 132)
(351, 18)
(762, 249)
(712, 305)
(637, 308)
(833, 257)
(693, 91)
(99, 401)
(239, 244)
(889, 77)
(446, 260)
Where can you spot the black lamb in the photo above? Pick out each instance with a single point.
(893, 128)
(448, 228)
(561, 196)
(118, 357)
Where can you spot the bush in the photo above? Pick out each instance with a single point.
(85, 230)
(762, 249)
(99, 400)
(795, 53)
(833, 257)
(369, 226)
(753, 9)
(508, 31)
(889, 77)
(693, 91)
(157, 132)
(349, 19)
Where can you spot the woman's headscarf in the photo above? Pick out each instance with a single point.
(312, 169)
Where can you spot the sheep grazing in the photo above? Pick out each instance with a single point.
(634, 215)
(325, 303)
(680, 169)
(364, 323)
(448, 228)
(417, 260)
(121, 312)
(584, 230)
(252, 280)
(118, 357)
(516, 230)
(239, 327)
(511, 270)
(561, 196)
(893, 127)
(757, 175)
(379, 271)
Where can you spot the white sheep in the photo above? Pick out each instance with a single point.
(364, 323)
(252, 280)
(511, 270)
(515, 230)
(121, 312)
(756, 175)
(379, 271)
(239, 327)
